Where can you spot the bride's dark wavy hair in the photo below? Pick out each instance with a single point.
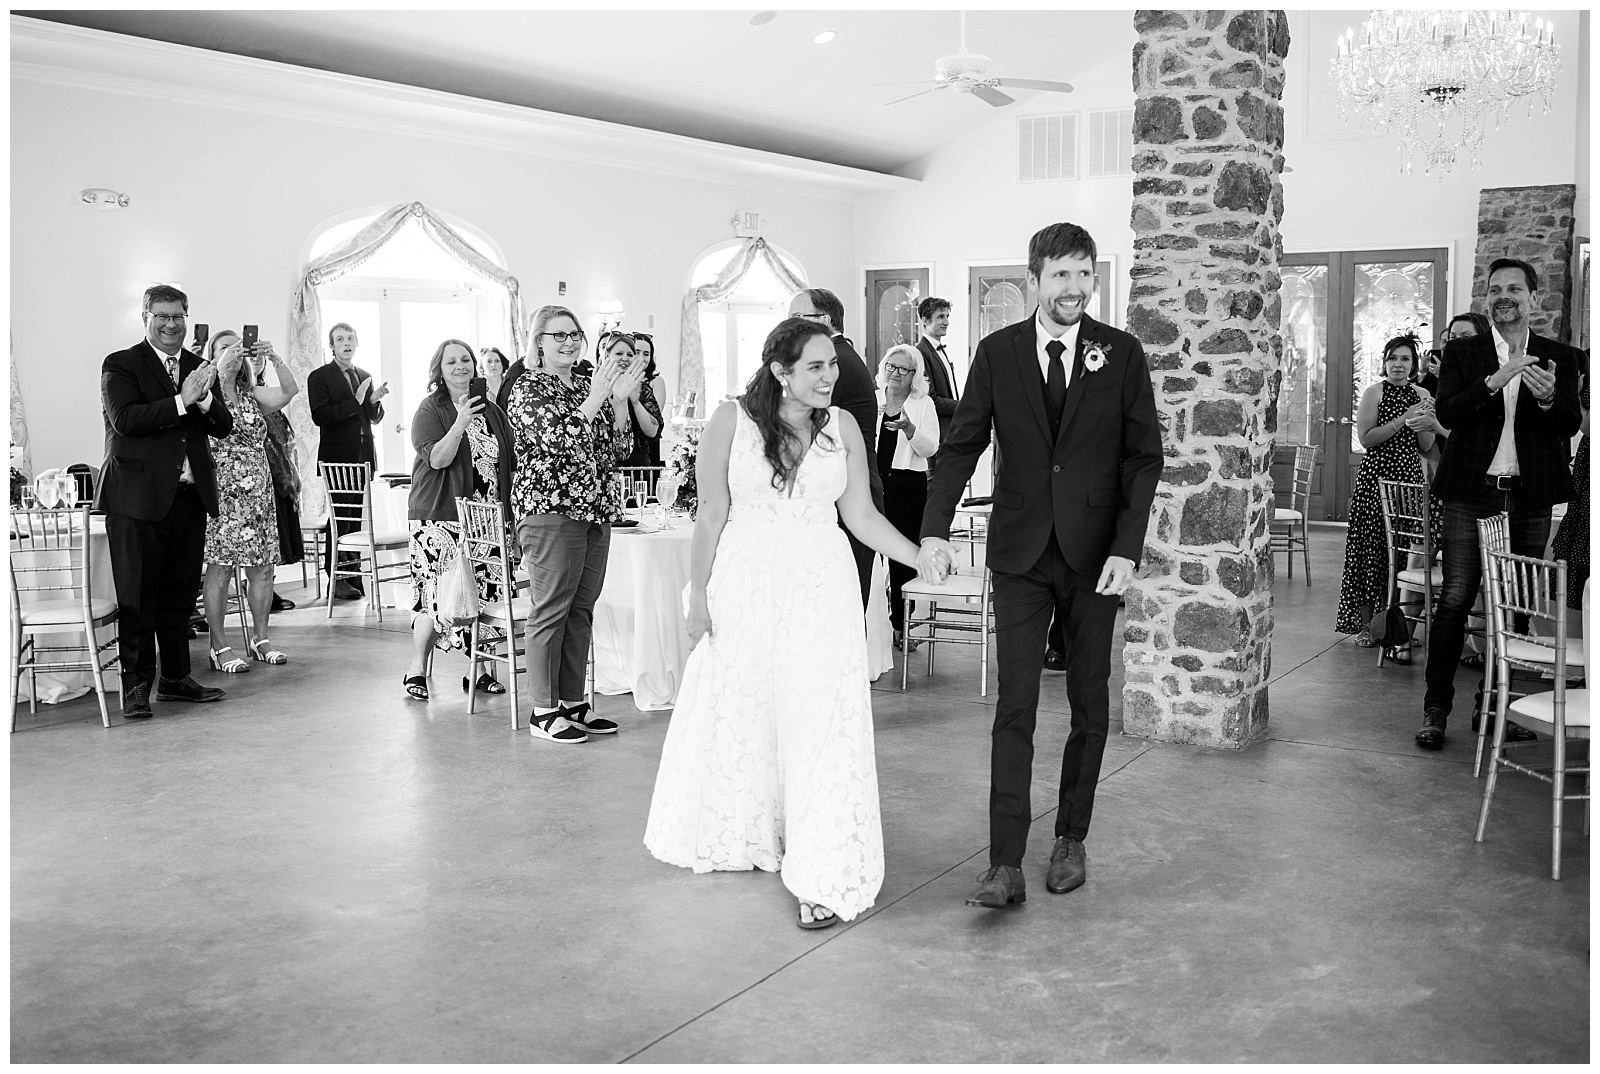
(763, 395)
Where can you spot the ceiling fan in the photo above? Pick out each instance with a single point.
(965, 72)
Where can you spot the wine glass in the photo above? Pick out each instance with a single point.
(641, 489)
(67, 482)
(48, 490)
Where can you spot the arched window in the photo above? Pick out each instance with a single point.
(733, 330)
(411, 296)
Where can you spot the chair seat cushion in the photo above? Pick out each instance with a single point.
(1527, 651)
(384, 540)
(957, 587)
(1537, 712)
(521, 608)
(1284, 514)
(64, 612)
(1412, 576)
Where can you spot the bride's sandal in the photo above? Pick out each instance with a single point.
(416, 686)
(259, 651)
(816, 922)
(231, 666)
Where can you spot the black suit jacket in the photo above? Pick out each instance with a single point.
(855, 391)
(1093, 481)
(507, 382)
(1475, 418)
(939, 385)
(346, 424)
(148, 437)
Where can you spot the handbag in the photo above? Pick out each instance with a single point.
(1390, 628)
(458, 592)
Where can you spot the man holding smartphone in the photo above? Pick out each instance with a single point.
(345, 406)
(156, 488)
(1510, 401)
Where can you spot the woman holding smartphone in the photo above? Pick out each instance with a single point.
(464, 448)
(245, 531)
(571, 432)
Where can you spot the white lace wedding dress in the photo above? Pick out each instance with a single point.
(768, 761)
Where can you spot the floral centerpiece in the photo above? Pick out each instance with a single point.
(19, 481)
(683, 449)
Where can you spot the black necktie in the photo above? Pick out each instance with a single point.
(1056, 383)
(350, 375)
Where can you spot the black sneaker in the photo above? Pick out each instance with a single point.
(1431, 736)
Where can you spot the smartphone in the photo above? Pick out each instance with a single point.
(251, 332)
(479, 388)
(202, 333)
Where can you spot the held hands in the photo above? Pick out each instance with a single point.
(1540, 381)
(1114, 576)
(936, 561)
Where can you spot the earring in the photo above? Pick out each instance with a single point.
(785, 388)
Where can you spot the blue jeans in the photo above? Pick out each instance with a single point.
(1463, 576)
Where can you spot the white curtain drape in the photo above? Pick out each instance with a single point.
(21, 453)
(305, 316)
(691, 355)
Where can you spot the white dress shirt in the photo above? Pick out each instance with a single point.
(1069, 337)
(1504, 463)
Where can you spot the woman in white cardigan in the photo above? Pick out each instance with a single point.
(908, 436)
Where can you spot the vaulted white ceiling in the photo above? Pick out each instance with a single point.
(703, 74)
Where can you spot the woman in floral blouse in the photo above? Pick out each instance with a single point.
(571, 431)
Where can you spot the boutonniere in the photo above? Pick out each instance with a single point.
(1094, 358)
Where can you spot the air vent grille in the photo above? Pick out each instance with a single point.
(1110, 142)
(1047, 147)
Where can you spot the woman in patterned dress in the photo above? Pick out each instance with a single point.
(463, 448)
(245, 531)
(571, 431)
(1397, 427)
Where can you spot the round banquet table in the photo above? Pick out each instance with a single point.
(641, 634)
(55, 687)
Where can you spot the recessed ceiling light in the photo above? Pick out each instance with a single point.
(761, 18)
(824, 37)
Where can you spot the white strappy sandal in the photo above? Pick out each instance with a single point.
(269, 656)
(231, 666)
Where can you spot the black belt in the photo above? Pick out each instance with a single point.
(1503, 482)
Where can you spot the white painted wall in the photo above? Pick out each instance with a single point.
(225, 199)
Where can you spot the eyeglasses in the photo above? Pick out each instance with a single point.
(564, 337)
(169, 318)
(898, 370)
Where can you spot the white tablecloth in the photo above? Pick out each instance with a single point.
(64, 686)
(641, 635)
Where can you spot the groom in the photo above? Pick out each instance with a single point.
(1080, 453)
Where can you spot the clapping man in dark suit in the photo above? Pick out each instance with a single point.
(345, 406)
(1071, 406)
(855, 392)
(1510, 401)
(933, 317)
(156, 488)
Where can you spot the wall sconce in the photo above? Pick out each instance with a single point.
(610, 312)
(99, 197)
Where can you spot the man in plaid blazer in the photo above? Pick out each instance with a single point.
(1510, 401)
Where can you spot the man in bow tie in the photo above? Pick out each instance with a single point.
(156, 488)
(345, 404)
(933, 317)
(1074, 415)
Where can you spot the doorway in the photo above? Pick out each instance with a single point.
(1339, 308)
(892, 297)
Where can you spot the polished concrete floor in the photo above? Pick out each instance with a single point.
(318, 870)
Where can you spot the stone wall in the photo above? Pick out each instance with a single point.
(1535, 224)
(1208, 155)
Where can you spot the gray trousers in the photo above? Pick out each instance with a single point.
(566, 560)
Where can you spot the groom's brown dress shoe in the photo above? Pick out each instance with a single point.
(1069, 866)
(998, 886)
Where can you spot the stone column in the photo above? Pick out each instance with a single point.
(1533, 224)
(1208, 153)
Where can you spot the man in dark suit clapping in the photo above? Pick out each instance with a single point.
(345, 406)
(1510, 401)
(856, 393)
(1074, 415)
(156, 488)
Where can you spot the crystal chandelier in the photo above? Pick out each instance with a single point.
(1419, 72)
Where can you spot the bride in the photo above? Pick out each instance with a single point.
(768, 761)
